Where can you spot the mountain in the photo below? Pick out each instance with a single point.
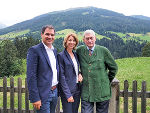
(2, 26)
(141, 17)
(80, 19)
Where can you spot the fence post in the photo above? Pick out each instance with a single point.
(134, 97)
(126, 86)
(19, 95)
(143, 97)
(11, 95)
(5, 95)
(26, 98)
(114, 101)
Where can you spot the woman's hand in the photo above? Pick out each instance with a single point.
(80, 78)
(70, 99)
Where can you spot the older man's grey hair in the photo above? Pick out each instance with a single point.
(89, 31)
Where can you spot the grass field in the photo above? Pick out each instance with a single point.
(63, 33)
(129, 69)
(140, 36)
(143, 37)
(12, 35)
(134, 69)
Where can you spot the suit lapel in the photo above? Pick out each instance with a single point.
(57, 66)
(47, 59)
(69, 58)
(88, 57)
(86, 54)
(45, 54)
(55, 53)
(94, 54)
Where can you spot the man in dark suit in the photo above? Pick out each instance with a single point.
(42, 72)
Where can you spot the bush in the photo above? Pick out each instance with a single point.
(9, 63)
(146, 50)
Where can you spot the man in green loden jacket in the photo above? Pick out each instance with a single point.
(98, 69)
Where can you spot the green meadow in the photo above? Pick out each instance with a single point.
(133, 36)
(129, 69)
(134, 69)
(12, 35)
(63, 33)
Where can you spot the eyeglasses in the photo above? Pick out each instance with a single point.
(89, 38)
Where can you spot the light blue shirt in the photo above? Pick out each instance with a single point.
(91, 49)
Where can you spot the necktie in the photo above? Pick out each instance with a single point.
(90, 52)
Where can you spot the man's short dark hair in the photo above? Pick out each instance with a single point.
(47, 26)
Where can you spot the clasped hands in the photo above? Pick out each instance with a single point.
(80, 78)
(38, 104)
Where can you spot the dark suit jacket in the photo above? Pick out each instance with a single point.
(39, 73)
(67, 74)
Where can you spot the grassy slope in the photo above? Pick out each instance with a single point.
(134, 69)
(129, 69)
(133, 35)
(141, 36)
(14, 34)
(64, 32)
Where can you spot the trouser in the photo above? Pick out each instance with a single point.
(50, 104)
(88, 107)
(71, 107)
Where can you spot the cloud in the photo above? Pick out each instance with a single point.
(14, 11)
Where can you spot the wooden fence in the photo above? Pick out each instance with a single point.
(143, 94)
(114, 107)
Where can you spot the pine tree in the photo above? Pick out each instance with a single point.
(9, 63)
(146, 50)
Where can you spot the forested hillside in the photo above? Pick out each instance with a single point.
(124, 36)
(80, 19)
(141, 17)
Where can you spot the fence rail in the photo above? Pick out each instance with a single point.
(114, 106)
(143, 94)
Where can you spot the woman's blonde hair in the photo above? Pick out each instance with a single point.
(66, 39)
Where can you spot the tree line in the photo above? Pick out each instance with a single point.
(12, 53)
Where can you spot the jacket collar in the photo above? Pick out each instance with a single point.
(69, 58)
(46, 47)
(45, 53)
(86, 53)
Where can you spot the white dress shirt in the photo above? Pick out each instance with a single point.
(52, 60)
(76, 68)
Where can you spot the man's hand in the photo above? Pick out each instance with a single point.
(37, 104)
(80, 78)
(70, 99)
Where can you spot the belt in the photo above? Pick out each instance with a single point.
(53, 87)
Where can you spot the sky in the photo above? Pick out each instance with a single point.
(15, 11)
